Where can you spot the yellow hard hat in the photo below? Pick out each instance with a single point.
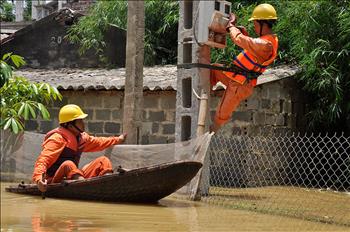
(263, 12)
(70, 113)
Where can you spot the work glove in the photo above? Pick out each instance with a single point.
(243, 30)
(231, 22)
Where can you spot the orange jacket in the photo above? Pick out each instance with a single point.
(60, 139)
(258, 53)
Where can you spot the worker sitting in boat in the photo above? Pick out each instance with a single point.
(63, 146)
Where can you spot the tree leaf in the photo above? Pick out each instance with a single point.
(41, 86)
(6, 70)
(55, 90)
(14, 126)
(26, 111)
(48, 88)
(7, 124)
(32, 111)
(21, 109)
(5, 56)
(35, 88)
(20, 126)
(17, 60)
(43, 110)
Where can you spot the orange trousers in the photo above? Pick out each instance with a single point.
(234, 94)
(97, 167)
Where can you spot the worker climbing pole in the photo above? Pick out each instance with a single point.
(257, 54)
(197, 33)
(241, 76)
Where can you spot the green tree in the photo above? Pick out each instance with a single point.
(21, 99)
(6, 11)
(316, 35)
(161, 23)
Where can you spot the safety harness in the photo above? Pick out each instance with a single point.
(250, 75)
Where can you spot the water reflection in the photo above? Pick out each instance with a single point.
(46, 223)
(26, 213)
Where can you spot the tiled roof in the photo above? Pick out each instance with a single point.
(155, 78)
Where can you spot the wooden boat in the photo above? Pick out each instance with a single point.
(148, 184)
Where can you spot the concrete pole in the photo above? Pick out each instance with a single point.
(133, 94)
(19, 10)
(187, 106)
(35, 15)
(60, 2)
(191, 121)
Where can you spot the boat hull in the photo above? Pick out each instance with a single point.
(148, 184)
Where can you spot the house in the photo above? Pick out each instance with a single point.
(43, 44)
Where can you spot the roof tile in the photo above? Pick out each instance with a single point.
(155, 78)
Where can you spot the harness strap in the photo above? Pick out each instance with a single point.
(250, 75)
(251, 61)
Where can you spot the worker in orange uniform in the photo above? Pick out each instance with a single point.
(63, 146)
(257, 54)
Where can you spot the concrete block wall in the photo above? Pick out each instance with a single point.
(105, 110)
(268, 112)
(269, 108)
(159, 117)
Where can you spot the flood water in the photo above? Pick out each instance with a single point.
(28, 213)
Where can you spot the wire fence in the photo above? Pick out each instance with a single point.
(303, 176)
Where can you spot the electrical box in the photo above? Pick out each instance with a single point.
(213, 17)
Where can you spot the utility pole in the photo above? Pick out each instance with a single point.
(60, 5)
(191, 79)
(19, 10)
(187, 106)
(198, 31)
(133, 93)
(35, 13)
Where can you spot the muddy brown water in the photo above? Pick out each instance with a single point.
(31, 213)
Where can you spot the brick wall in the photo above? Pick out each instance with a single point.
(276, 106)
(273, 106)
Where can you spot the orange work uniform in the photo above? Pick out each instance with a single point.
(257, 54)
(61, 153)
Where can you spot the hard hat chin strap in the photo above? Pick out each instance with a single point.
(73, 124)
(77, 128)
